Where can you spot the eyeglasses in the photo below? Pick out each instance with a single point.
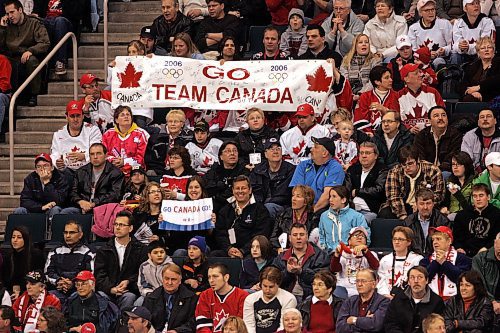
(456, 164)
(230, 151)
(396, 239)
(81, 283)
(366, 152)
(154, 191)
(358, 235)
(275, 148)
(429, 10)
(121, 225)
(362, 281)
(388, 121)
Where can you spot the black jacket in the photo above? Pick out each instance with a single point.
(373, 190)
(220, 183)
(249, 275)
(274, 190)
(78, 312)
(402, 139)
(284, 222)
(107, 268)
(254, 220)
(404, 316)
(108, 188)
(448, 145)
(164, 30)
(181, 318)
(325, 54)
(473, 230)
(489, 87)
(477, 319)
(34, 195)
(253, 142)
(229, 25)
(419, 244)
(305, 310)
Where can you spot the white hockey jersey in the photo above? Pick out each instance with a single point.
(296, 145)
(463, 30)
(203, 158)
(439, 34)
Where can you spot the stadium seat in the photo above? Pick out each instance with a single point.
(234, 265)
(470, 107)
(36, 223)
(60, 220)
(381, 235)
(255, 37)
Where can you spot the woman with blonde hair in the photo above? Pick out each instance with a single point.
(183, 46)
(358, 63)
(234, 324)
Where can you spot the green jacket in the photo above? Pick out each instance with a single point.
(30, 35)
(486, 264)
(484, 178)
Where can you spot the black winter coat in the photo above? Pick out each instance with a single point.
(284, 222)
(181, 318)
(249, 275)
(253, 143)
(389, 157)
(420, 244)
(373, 190)
(404, 316)
(107, 268)
(274, 190)
(229, 25)
(489, 87)
(108, 188)
(34, 195)
(164, 30)
(254, 220)
(448, 145)
(219, 182)
(477, 319)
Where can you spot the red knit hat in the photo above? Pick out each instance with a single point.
(424, 55)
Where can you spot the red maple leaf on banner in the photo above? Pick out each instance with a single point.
(319, 81)
(296, 150)
(130, 78)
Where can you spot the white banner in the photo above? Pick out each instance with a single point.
(186, 215)
(141, 82)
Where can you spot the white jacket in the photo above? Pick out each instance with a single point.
(401, 268)
(383, 35)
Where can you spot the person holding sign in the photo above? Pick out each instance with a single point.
(240, 220)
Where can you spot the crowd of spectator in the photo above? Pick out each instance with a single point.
(294, 194)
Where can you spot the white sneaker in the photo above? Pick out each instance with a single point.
(60, 68)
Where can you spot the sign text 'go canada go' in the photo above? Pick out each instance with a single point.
(237, 85)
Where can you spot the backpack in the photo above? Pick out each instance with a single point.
(449, 78)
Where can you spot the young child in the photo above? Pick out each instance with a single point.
(204, 149)
(293, 40)
(195, 267)
(150, 271)
(423, 58)
(260, 257)
(346, 149)
(434, 323)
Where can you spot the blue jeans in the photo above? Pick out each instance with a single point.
(458, 58)
(94, 15)
(274, 209)
(4, 107)
(57, 27)
(50, 212)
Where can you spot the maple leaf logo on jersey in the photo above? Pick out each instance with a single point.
(297, 150)
(396, 278)
(319, 81)
(75, 149)
(206, 161)
(130, 78)
(426, 43)
(472, 41)
(418, 112)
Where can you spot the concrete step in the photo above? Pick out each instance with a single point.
(25, 150)
(143, 6)
(132, 27)
(9, 201)
(33, 125)
(95, 51)
(113, 38)
(30, 137)
(65, 87)
(41, 112)
(126, 17)
(19, 176)
(89, 64)
(70, 73)
(55, 100)
(4, 189)
(19, 163)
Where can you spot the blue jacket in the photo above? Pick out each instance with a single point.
(347, 219)
(378, 306)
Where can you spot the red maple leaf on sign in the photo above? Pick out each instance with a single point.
(297, 150)
(319, 81)
(130, 78)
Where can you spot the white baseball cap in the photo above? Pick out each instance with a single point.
(401, 41)
(422, 3)
(492, 158)
(465, 2)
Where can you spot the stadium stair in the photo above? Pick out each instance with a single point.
(35, 126)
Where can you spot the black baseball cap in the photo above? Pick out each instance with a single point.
(325, 142)
(147, 32)
(201, 125)
(268, 143)
(139, 312)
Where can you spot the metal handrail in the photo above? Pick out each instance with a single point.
(105, 32)
(25, 84)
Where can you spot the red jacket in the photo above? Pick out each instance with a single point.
(279, 10)
(368, 120)
(5, 73)
(22, 312)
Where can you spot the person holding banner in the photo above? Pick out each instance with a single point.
(147, 215)
(240, 220)
(184, 47)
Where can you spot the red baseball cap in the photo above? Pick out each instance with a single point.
(444, 230)
(88, 79)
(305, 110)
(74, 107)
(85, 276)
(88, 328)
(43, 156)
(407, 69)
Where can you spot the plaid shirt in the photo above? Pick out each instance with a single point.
(397, 186)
